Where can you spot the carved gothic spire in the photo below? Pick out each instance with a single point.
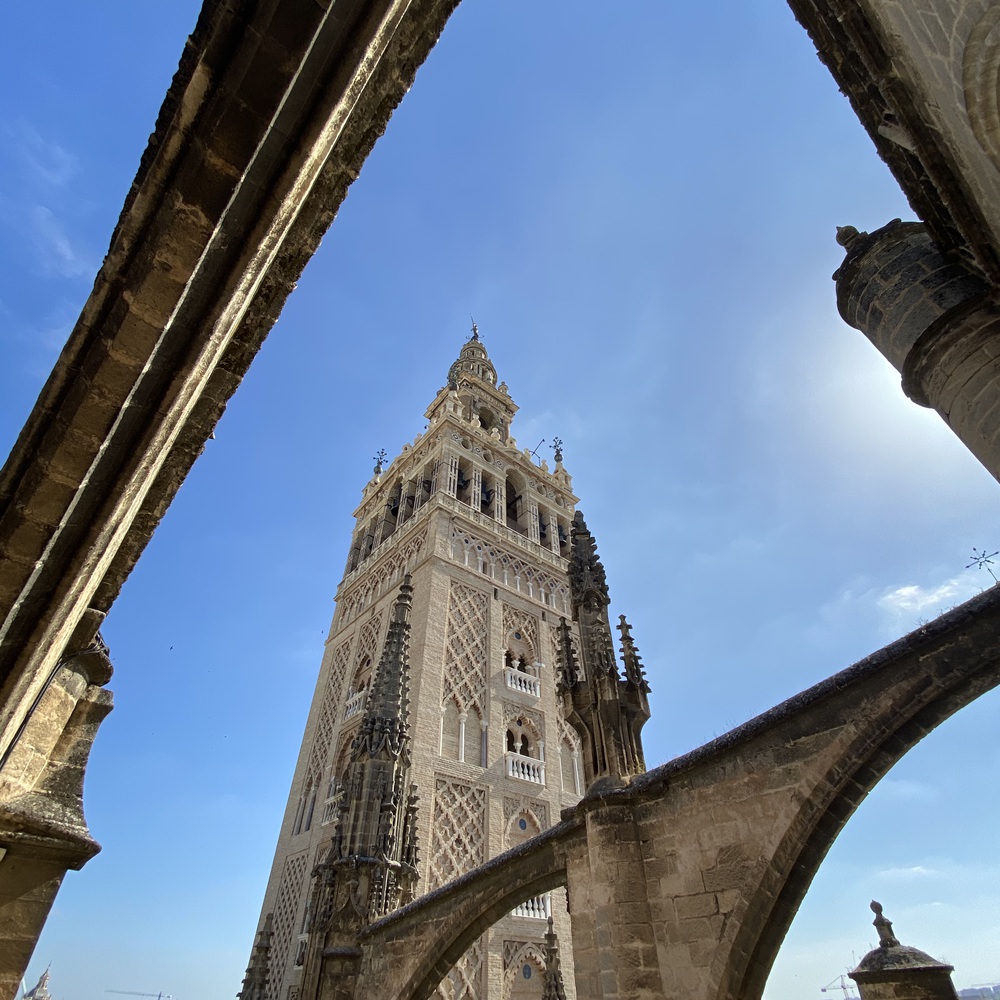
(371, 866)
(569, 669)
(255, 981)
(553, 987)
(608, 711)
(383, 729)
(586, 572)
(634, 673)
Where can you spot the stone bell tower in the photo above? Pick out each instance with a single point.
(443, 730)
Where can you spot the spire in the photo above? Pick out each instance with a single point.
(371, 866)
(606, 710)
(384, 725)
(586, 573)
(569, 669)
(552, 987)
(634, 673)
(255, 981)
(41, 988)
(472, 360)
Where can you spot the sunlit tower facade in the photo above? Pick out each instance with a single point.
(454, 637)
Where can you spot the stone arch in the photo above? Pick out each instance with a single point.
(515, 834)
(460, 912)
(530, 955)
(854, 774)
(522, 730)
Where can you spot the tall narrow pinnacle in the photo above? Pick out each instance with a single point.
(586, 573)
(634, 673)
(255, 980)
(552, 987)
(384, 725)
(569, 672)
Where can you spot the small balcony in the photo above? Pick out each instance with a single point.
(355, 703)
(522, 683)
(525, 768)
(536, 908)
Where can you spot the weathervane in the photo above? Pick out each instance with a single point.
(982, 560)
(557, 448)
(379, 459)
(475, 329)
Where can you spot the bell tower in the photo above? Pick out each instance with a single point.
(467, 692)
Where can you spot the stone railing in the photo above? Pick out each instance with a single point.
(354, 705)
(509, 535)
(525, 768)
(522, 683)
(536, 908)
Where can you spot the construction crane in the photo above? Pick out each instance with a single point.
(843, 985)
(136, 993)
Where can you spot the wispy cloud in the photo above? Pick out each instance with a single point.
(42, 160)
(906, 874)
(55, 250)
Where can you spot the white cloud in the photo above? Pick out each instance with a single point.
(908, 605)
(54, 247)
(906, 874)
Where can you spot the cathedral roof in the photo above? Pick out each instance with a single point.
(474, 360)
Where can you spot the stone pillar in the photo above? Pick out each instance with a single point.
(43, 831)
(935, 320)
(614, 950)
(896, 972)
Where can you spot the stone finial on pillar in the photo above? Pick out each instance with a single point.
(893, 971)
(886, 938)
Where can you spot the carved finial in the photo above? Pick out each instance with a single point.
(886, 938)
(379, 459)
(847, 235)
(475, 329)
(557, 448)
(552, 988)
(634, 672)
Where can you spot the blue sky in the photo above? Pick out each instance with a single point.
(639, 211)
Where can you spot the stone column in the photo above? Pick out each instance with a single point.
(614, 950)
(935, 319)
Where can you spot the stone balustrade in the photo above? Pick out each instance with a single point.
(536, 908)
(522, 683)
(355, 703)
(525, 768)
